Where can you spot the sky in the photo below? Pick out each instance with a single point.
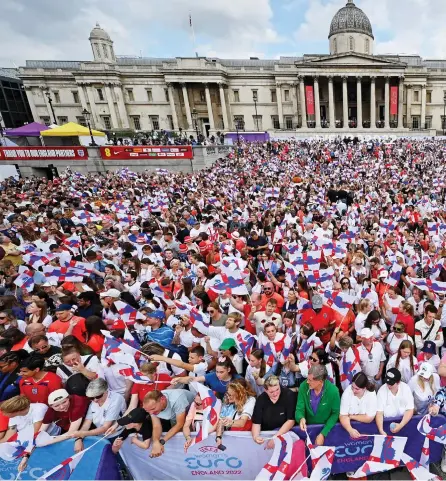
(59, 30)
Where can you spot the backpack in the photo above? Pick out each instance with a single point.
(76, 383)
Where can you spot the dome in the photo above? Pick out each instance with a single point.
(350, 19)
(99, 33)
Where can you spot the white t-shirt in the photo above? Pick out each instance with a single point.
(163, 368)
(394, 342)
(116, 382)
(248, 408)
(113, 409)
(393, 303)
(221, 333)
(370, 361)
(404, 367)
(351, 404)
(422, 398)
(35, 414)
(395, 406)
(21, 325)
(93, 365)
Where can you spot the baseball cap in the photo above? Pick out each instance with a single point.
(49, 284)
(366, 333)
(280, 272)
(183, 248)
(393, 376)
(187, 239)
(110, 293)
(135, 416)
(64, 307)
(202, 246)
(134, 227)
(426, 370)
(227, 344)
(235, 235)
(429, 347)
(383, 275)
(57, 396)
(317, 301)
(158, 314)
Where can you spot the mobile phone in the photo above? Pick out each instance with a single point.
(222, 448)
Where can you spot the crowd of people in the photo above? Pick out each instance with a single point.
(232, 272)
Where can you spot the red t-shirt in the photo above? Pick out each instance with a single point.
(280, 302)
(96, 342)
(319, 321)
(61, 327)
(38, 391)
(163, 382)
(408, 321)
(77, 410)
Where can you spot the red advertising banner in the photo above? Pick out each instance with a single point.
(43, 153)
(309, 93)
(146, 152)
(393, 100)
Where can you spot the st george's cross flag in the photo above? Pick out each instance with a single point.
(211, 410)
(434, 434)
(394, 275)
(128, 313)
(425, 453)
(386, 455)
(305, 261)
(62, 274)
(349, 366)
(322, 278)
(38, 259)
(277, 467)
(339, 301)
(307, 347)
(245, 344)
(322, 458)
(417, 470)
(427, 284)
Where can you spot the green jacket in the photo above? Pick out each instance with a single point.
(328, 410)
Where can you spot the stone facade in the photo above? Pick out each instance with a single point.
(351, 88)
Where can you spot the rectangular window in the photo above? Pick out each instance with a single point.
(202, 96)
(62, 120)
(76, 98)
(149, 95)
(166, 94)
(416, 95)
(170, 122)
(100, 95)
(255, 95)
(429, 96)
(289, 123)
(286, 95)
(443, 122)
(236, 96)
(45, 120)
(239, 122)
(273, 96)
(428, 122)
(106, 121)
(81, 121)
(130, 95)
(136, 122)
(155, 121)
(257, 120)
(57, 97)
(275, 122)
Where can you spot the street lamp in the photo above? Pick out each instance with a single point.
(239, 125)
(86, 114)
(255, 98)
(50, 101)
(444, 115)
(195, 121)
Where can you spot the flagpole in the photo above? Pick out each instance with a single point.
(193, 34)
(300, 467)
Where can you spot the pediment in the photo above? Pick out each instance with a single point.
(350, 59)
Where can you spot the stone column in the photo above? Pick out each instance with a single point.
(303, 106)
(95, 119)
(294, 99)
(409, 106)
(345, 102)
(187, 106)
(223, 106)
(372, 103)
(331, 104)
(400, 102)
(32, 106)
(359, 102)
(111, 107)
(172, 106)
(82, 96)
(317, 108)
(423, 106)
(387, 104)
(279, 104)
(209, 106)
(121, 106)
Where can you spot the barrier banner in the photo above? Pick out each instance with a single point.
(393, 100)
(125, 152)
(43, 153)
(244, 459)
(309, 94)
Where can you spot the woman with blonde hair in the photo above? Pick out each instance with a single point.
(395, 338)
(424, 385)
(364, 308)
(237, 409)
(405, 361)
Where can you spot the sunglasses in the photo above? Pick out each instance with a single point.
(95, 398)
(314, 359)
(37, 349)
(3, 317)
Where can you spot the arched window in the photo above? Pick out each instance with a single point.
(351, 44)
(335, 46)
(367, 45)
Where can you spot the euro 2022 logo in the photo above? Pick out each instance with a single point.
(212, 458)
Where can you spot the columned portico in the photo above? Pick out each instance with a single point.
(373, 102)
(359, 101)
(303, 106)
(317, 104)
(331, 102)
(209, 106)
(387, 104)
(400, 102)
(187, 107)
(344, 102)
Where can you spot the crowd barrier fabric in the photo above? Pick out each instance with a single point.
(99, 463)
(243, 459)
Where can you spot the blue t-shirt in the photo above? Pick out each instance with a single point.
(163, 335)
(211, 380)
